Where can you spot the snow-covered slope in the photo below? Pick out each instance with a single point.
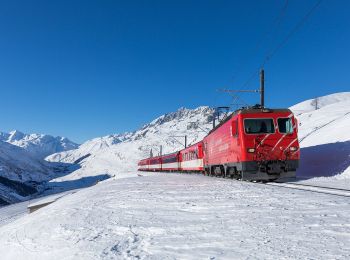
(38, 145)
(324, 135)
(328, 124)
(320, 102)
(23, 169)
(17, 164)
(20, 172)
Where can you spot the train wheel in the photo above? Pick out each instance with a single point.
(231, 172)
(207, 171)
(237, 175)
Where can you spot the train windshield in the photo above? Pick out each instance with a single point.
(259, 126)
(285, 125)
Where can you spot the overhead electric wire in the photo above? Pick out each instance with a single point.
(283, 42)
(292, 32)
(275, 24)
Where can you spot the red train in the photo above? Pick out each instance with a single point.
(251, 144)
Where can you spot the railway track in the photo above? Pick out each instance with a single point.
(311, 188)
(304, 187)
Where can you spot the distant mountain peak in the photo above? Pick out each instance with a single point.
(15, 135)
(39, 145)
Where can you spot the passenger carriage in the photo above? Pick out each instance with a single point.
(191, 158)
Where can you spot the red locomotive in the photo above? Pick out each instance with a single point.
(253, 143)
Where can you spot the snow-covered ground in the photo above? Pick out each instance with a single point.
(173, 216)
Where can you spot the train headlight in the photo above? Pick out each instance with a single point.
(293, 148)
(251, 150)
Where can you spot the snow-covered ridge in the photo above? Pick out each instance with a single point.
(38, 145)
(320, 102)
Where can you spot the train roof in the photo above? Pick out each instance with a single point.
(251, 110)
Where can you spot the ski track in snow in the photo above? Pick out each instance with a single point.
(180, 216)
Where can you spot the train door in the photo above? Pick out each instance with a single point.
(205, 153)
(235, 148)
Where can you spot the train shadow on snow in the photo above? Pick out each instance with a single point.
(324, 160)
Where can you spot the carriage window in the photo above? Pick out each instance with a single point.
(259, 126)
(285, 125)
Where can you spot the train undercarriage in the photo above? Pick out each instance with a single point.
(255, 171)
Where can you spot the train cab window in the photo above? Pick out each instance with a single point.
(259, 126)
(285, 125)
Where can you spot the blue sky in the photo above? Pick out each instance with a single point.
(84, 69)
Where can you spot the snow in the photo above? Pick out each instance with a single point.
(328, 124)
(310, 104)
(324, 137)
(38, 145)
(173, 216)
(17, 164)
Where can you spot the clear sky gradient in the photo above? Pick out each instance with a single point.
(84, 69)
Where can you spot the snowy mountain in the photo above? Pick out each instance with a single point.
(23, 169)
(20, 172)
(38, 145)
(114, 154)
